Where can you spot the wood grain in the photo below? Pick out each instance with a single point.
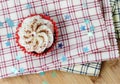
(110, 74)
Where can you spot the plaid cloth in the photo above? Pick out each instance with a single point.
(115, 4)
(74, 40)
(90, 69)
(93, 69)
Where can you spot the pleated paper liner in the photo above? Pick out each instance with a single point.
(48, 49)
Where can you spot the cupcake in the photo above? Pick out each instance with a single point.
(36, 34)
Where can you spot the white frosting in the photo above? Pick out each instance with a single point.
(36, 34)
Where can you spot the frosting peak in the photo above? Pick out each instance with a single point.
(36, 34)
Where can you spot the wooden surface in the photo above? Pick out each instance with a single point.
(110, 74)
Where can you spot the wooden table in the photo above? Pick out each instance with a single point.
(110, 74)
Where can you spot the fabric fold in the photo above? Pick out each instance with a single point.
(115, 4)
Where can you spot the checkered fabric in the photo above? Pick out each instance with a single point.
(93, 69)
(115, 4)
(90, 69)
(113, 51)
(69, 15)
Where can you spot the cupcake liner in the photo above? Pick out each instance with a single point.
(46, 50)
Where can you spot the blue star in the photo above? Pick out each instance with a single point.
(42, 73)
(90, 34)
(9, 22)
(67, 17)
(87, 21)
(92, 28)
(28, 6)
(18, 57)
(9, 35)
(85, 49)
(64, 58)
(60, 45)
(53, 74)
(82, 28)
(44, 82)
(22, 70)
(1, 24)
(7, 43)
(14, 70)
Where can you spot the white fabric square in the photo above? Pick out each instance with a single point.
(63, 4)
(92, 11)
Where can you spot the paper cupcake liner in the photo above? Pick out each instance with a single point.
(47, 50)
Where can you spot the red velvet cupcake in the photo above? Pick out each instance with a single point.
(37, 34)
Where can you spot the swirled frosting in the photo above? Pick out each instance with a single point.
(36, 34)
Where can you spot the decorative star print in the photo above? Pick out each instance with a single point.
(22, 70)
(7, 43)
(44, 82)
(87, 21)
(9, 35)
(42, 73)
(9, 22)
(63, 58)
(28, 6)
(90, 34)
(85, 49)
(60, 45)
(82, 28)
(54, 74)
(1, 24)
(67, 17)
(14, 70)
(18, 57)
(92, 28)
